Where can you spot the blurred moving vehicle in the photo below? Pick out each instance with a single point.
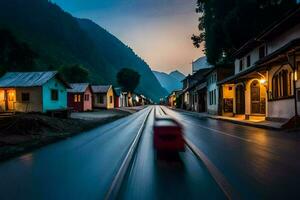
(168, 135)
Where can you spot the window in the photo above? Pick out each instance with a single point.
(282, 84)
(110, 99)
(86, 97)
(262, 51)
(215, 96)
(248, 61)
(212, 97)
(241, 64)
(77, 98)
(100, 99)
(54, 95)
(25, 97)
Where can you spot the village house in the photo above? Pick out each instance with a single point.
(103, 96)
(214, 92)
(266, 82)
(80, 97)
(173, 98)
(194, 90)
(33, 92)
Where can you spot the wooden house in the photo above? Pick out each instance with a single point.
(103, 96)
(33, 92)
(80, 97)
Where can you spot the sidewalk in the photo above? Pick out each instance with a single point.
(252, 122)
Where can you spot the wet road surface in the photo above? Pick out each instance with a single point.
(257, 163)
(167, 176)
(81, 167)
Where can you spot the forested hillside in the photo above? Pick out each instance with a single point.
(59, 39)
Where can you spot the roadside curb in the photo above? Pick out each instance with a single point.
(229, 120)
(247, 124)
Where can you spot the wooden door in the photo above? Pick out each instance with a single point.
(10, 100)
(255, 97)
(240, 100)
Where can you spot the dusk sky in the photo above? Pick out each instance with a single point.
(158, 30)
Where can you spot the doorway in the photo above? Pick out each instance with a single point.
(255, 97)
(240, 99)
(10, 99)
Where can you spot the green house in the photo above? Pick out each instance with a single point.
(33, 92)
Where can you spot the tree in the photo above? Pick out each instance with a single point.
(227, 24)
(128, 79)
(15, 55)
(75, 73)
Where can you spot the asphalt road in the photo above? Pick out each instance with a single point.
(257, 163)
(81, 167)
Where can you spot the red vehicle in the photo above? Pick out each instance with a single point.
(168, 135)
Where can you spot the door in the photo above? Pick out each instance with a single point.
(240, 100)
(255, 97)
(10, 100)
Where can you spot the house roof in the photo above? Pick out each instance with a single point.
(100, 88)
(29, 79)
(78, 87)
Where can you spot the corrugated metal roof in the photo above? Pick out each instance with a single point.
(100, 88)
(26, 79)
(78, 87)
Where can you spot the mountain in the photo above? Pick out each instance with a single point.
(177, 75)
(60, 39)
(168, 81)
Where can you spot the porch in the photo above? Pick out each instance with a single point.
(244, 95)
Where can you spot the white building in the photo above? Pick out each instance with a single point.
(266, 73)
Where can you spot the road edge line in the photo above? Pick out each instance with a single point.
(216, 174)
(118, 179)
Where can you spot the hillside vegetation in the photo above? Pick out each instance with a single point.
(60, 39)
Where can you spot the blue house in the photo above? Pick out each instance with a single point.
(33, 92)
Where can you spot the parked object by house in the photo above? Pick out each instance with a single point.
(266, 81)
(103, 96)
(33, 92)
(80, 97)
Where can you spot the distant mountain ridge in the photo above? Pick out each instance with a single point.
(170, 81)
(61, 39)
(177, 75)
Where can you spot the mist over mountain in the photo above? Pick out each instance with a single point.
(60, 39)
(170, 81)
